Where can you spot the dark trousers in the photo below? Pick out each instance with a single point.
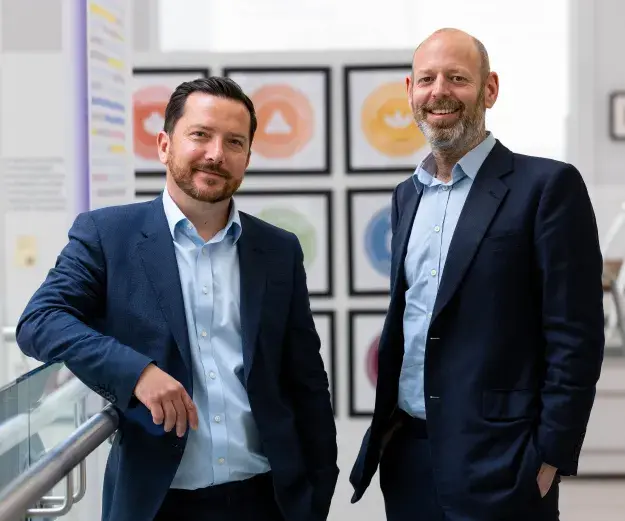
(248, 500)
(407, 481)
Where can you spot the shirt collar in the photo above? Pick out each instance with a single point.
(175, 217)
(468, 165)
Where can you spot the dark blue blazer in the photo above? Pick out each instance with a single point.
(113, 303)
(516, 340)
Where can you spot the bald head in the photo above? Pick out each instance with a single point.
(450, 89)
(450, 36)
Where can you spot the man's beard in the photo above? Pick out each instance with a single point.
(207, 192)
(461, 134)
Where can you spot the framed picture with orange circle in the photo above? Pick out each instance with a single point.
(151, 91)
(325, 326)
(380, 132)
(364, 331)
(293, 111)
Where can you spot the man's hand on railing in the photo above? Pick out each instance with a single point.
(167, 400)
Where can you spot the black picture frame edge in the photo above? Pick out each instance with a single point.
(204, 71)
(149, 174)
(349, 169)
(351, 355)
(349, 195)
(326, 71)
(614, 96)
(331, 314)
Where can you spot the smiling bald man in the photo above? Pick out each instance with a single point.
(493, 340)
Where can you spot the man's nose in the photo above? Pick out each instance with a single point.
(214, 151)
(440, 87)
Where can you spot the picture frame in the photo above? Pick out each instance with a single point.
(325, 324)
(617, 116)
(369, 240)
(299, 215)
(308, 214)
(364, 331)
(293, 108)
(151, 90)
(380, 133)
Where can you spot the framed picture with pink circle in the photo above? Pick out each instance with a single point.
(151, 90)
(364, 330)
(293, 111)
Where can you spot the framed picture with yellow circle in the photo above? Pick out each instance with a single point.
(293, 112)
(381, 135)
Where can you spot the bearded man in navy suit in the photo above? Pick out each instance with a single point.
(494, 336)
(184, 312)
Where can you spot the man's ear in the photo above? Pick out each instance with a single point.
(491, 92)
(163, 144)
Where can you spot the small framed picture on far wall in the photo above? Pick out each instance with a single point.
(617, 116)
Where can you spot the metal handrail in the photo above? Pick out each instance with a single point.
(17, 429)
(32, 485)
(9, 333)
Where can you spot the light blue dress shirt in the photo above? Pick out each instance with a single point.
(430, 237)
(226, 446)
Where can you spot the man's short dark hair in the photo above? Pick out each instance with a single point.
(215, 86)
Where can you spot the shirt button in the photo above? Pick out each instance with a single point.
(189, 226)
(217, 419)
(429, 315)
(445, 188)
(203, 333)
(203, 251)
(433, 273)
(437, 229)
(212, 375)
(205, 290)
(221, 461)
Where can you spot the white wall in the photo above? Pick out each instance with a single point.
(597, 69)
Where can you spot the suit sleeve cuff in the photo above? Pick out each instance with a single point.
(561, 452)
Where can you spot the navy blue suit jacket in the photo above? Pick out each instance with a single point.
(113, 303)
(516, 340)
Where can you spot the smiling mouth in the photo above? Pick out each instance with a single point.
(443, 112)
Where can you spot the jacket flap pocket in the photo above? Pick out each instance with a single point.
(508, 404)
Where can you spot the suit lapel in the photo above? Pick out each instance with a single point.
(158, 255)
(253, 281)
(404, 227)
(485, 196)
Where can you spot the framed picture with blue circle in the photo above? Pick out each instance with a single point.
(369, 240)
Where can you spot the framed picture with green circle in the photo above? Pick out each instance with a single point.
(307, 214)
